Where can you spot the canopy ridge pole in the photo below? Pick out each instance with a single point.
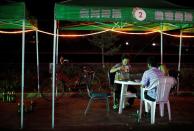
(179, 64)
(161, 43)
(53, 75)
(37, 61)
(22, 85)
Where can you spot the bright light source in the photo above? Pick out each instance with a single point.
(153, 44)
(126, 43)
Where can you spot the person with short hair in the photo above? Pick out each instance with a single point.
(122, 72)
(149, 76)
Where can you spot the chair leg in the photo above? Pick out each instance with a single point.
(124, 102)
(153, 112)
(161, 105)
(146, 106)
(107, 105)
(169, 111)
(88, 106)
(141, 102)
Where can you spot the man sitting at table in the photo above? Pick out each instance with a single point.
(149, 76)
(121, 71)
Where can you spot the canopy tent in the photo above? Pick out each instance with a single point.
(135, 15)
(14, 16)
(125, 15)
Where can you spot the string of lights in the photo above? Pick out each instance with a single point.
(83, 35)
(95, 33)
(134, 33)
(14, 32)
(183, 36)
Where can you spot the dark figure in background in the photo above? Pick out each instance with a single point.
(174, 73)
(177, 76)
(122, 72)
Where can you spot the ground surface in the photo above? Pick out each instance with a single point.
(69, 115)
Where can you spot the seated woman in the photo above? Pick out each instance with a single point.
(167, 72)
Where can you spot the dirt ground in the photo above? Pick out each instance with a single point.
(69, 115)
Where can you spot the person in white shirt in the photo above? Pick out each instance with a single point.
(149, 76)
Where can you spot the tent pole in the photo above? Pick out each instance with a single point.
(179, 64)
(53, 76)
(37, 61)
(22, 85)
(161, 44)
(103, 66)
(57, 54)
(57, 46)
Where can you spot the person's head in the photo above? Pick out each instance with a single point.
(151, 61)
(164, 69)
(61, 60)
(125, 59)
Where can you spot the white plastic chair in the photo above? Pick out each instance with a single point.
(163, 86)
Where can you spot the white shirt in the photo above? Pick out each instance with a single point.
(149, 76)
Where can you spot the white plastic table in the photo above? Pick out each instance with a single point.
(124, 93)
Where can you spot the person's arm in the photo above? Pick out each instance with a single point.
(174, 81)
(144, 80)
(115, 69)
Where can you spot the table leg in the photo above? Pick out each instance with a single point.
(121, 99)
(124, 96)
(141, 102)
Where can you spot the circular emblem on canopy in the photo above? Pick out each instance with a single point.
(139, 14)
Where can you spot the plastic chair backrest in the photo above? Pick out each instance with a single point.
(163, 89)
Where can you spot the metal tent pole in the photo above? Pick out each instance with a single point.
(53, 76)
(179, 64)
(57, 55)
(37, 61)
(57, 46)
(161, 44)
(22, 85)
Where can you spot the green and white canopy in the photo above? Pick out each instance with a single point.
(133, 15)
(12, 16)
